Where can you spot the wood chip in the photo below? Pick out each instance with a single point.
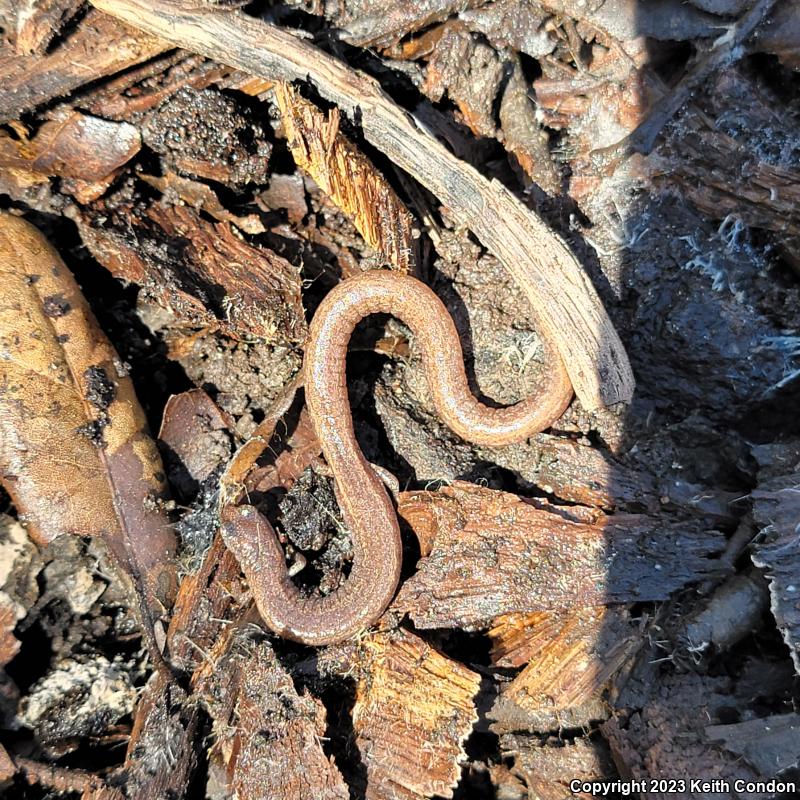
(245, 291)
(776, 508)
(9, 644)
(571, 658)
(470, 73)
(547, 770)
(38, 21)
(347, 176)
(725, 178)
(667, 739)
(494, 554)
(414, 710)
(200, 196)
(206, 599)
(269, 735)
(770, 744)
(164, 745)
(28, 81)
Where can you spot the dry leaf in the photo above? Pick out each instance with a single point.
(75, 454)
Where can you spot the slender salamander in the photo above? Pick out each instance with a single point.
(362, 497)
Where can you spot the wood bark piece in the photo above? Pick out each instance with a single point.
(776, 508)
(75, 454)
(300, 449)
(215, 279)
(523, 136)
(268, 734)
(213, 594)
(200, 196)
(770, 745)
(495, 554)
(99, 46)
(667, 737)
(414, 710)
(723, 177)
(780, 34)
(7, 767)
(572, 658)
(348, 177)
(548, 770)
(9, 644)
(377, 23)
(566, 304)
(470, 72)
(38, 21)
(65, 780)
(163, 748)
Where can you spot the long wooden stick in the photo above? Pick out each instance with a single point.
(565, 302)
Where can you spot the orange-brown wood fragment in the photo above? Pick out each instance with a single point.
(206, 599)
(495, 554)
(301, 449)
(245, 291)
(7, 767)
(267, 734)
(345, 174)
(200, 196)
(27, 81)
(570, 659)
(75, 453)
(414, 709)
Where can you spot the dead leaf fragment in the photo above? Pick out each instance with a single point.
(346, 175)
(75, 454)
(197, 434)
